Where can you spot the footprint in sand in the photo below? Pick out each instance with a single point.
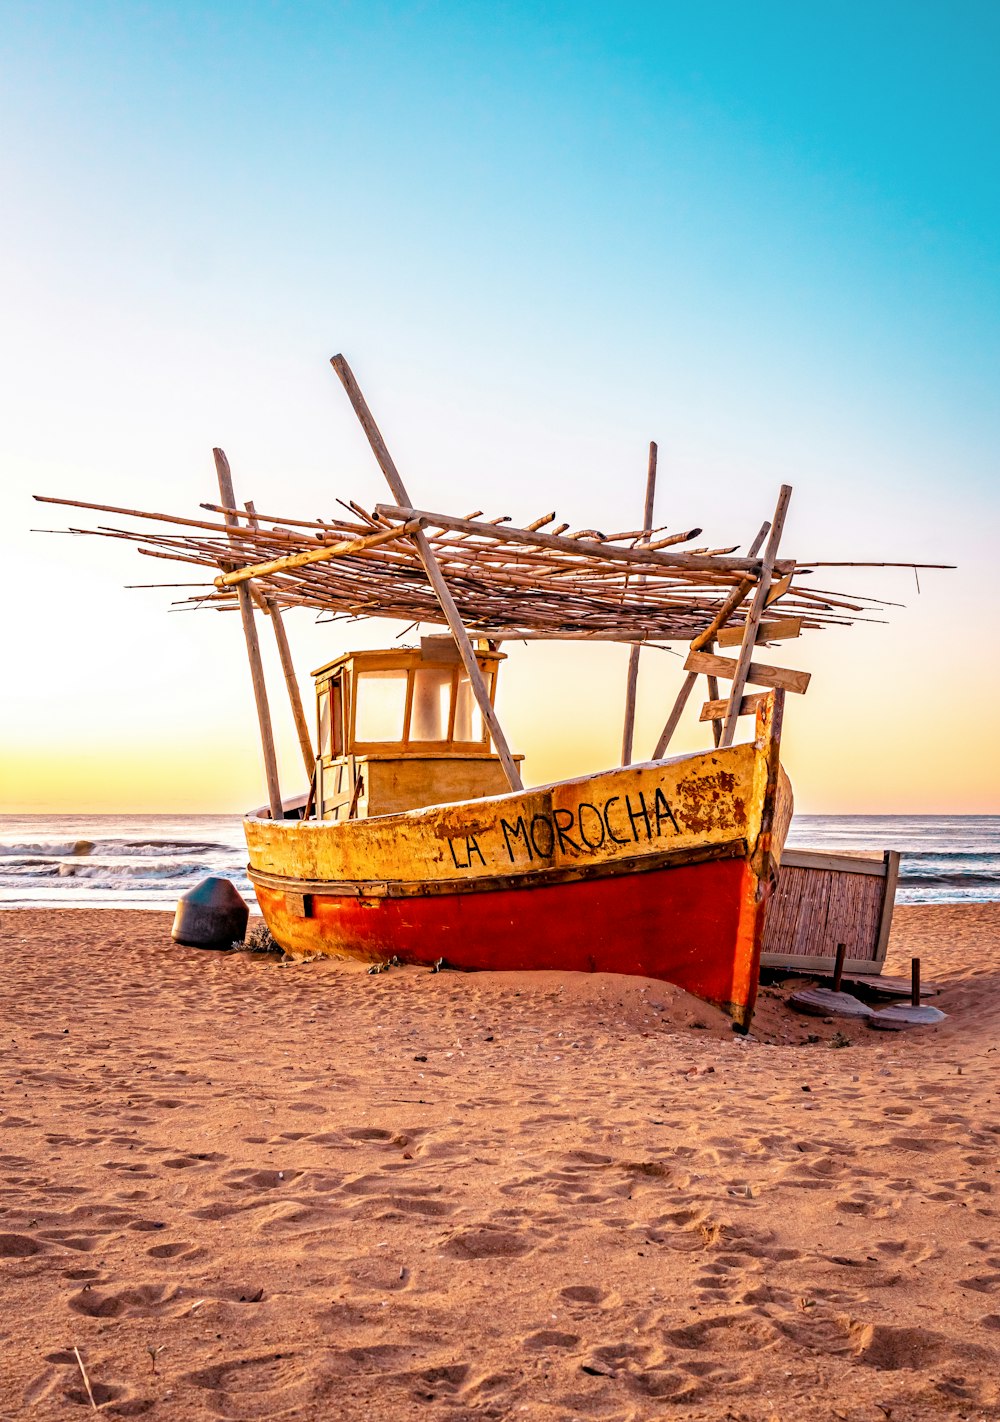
(487, 1242)
(550, 1338)
(18, 1246)
(143, 1300)
(590, 1295)
(260, 1179)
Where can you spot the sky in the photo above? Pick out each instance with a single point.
(763, 234)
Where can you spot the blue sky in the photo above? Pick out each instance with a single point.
(765, 234)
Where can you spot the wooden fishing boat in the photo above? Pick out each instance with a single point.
(661, 869)
(417, 839)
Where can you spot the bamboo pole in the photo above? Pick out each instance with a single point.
(632, 679)
(253, 651)
(291, 681)
(753, 618)
(314, 555)
(434, 574)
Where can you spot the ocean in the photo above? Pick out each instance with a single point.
(148, 861)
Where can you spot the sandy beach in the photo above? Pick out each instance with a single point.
(244, 1189)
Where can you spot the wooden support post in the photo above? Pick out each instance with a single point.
(713, 695)
(915, 982)
(753, 619)
(704, 639)
(253, 648)
(838, 966)
(291, 681)
(633, 656)
(666, 735)
(432, 569)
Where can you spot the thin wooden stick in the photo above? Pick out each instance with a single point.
(685, 562)
(434, 574)
(253, 652)
(754, 616)
(723, 615)
(287, 667)
(687, 686)
(86, 1380)
(314, 555)
(713, 695)
(706, 638)
(632, 679)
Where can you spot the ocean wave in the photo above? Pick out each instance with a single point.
(950, 881)
(112, 848)
(171, 869)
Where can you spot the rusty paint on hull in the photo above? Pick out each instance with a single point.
(661, 870)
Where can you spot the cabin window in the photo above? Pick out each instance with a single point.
(323, 710)
(431, 704)
(468, 717)
(381, 706)
(337, 716)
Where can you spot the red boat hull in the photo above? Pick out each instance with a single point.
(696, 925)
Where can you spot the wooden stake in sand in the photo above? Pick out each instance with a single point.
(86, 1380)
(253, 648)
(633, 656)
(431, 567)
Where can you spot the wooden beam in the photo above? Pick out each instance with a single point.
(766, 632)
(291, 680)
(314, 555)
(666, 735)
(716, 710)
(755, 672)
(833, 862)
(632, 679)
(768, 568)
(507, 533)
(253, 649)
(433, 570)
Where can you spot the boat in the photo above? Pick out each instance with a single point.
(417, 840)
(661, 869)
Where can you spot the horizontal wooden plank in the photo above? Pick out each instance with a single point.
(716, 710)
(816, 963)
(766, 632)
(834, 863)
(758, 674)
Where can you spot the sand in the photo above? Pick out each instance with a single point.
(248, 1190)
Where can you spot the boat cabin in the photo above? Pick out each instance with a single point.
(401, 729)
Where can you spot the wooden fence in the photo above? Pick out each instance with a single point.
(824, 899)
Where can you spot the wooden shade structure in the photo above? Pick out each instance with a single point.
(491, 579)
